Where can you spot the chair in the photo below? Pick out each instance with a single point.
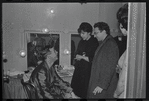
(30, 89)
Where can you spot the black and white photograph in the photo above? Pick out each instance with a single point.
(79, 50)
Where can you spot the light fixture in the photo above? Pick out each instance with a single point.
(22, 53)
(52, 11)
(66, 51)
(4, 57)
(45, 30)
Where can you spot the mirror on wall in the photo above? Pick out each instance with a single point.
(36, 43)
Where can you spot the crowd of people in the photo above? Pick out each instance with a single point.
(97, 63)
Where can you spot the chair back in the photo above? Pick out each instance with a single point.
(30, 89)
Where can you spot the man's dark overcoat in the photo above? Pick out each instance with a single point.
(103, 73)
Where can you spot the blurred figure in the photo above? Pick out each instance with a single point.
(103, 79)
(46, 82)
(83, 60)
(122, 17)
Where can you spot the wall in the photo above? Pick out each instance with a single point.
(17, 17)
(108, 14)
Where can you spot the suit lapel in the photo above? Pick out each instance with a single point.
(99, 47)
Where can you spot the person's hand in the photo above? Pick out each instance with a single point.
(115, 95)
(97, 90)
(68, 95)
(118, 69)
(74, 96)
(118, 91)
(39, 62)
(78, 57)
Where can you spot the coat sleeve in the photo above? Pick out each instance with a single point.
(42, 81)
(61, 83)
(108, 64)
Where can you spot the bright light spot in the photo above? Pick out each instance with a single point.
(22, 53)
(66, 51)
(45, 30)
(52, 11)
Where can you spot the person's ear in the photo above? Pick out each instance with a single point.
(104, 31)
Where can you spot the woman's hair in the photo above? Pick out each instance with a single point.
(102, 26)
(122, 16)
(86, 27)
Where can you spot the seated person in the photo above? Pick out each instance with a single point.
(47, 83)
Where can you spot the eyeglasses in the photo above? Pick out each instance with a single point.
(95, 33)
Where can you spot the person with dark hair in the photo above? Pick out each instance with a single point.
(122, 17)
(103, 79)
(45, 80)
(40, 42)
(83, 60)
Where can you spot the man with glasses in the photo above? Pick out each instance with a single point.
(103, 79)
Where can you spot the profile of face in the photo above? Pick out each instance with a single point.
(123, 30)
(52, 55)
(99, 34)
(84, 35)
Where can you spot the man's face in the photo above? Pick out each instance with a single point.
(52, 55)
(98, 34)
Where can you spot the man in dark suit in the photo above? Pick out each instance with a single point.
(103, 79)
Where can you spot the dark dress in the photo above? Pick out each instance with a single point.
(81, 74)
(121, 44)
(47, 83)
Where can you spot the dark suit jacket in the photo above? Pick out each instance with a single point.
(103, 73)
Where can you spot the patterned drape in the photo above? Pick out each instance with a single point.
(136, 51)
